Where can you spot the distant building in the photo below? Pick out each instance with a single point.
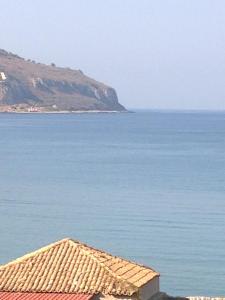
(70, 270)
(32, 109)
(2, 76)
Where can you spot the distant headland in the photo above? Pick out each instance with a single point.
(27, 86)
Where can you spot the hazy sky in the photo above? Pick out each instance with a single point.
(157, 54)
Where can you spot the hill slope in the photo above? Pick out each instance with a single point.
(49, 88)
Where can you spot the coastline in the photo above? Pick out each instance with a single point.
(21, 109)
(66, 112)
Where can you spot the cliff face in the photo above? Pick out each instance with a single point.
(34, 84)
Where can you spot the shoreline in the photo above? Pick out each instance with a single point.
(31, 109)
(66, 112)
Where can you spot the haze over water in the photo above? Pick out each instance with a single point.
(148, 186)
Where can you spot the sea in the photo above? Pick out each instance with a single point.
(148, 186)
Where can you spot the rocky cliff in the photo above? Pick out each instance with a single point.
(50, 88)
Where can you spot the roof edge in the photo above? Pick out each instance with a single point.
(30, 254)
(115, 256)
(118, 277)
(85, 248)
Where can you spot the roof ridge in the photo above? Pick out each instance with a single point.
(113, 256)
(86, 250)
(78, 243)
(83, 260)
(35, 252)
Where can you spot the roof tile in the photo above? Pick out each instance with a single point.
(43, 296)
(69, 266)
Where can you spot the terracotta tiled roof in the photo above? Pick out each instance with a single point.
(69, 266)
(43, 296)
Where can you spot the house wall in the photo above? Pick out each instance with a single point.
(145, 292)
(149, 289)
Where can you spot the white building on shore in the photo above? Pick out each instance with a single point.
(2, 76)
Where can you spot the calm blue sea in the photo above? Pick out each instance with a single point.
(149, 186)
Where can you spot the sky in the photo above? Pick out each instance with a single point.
(157, 54)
